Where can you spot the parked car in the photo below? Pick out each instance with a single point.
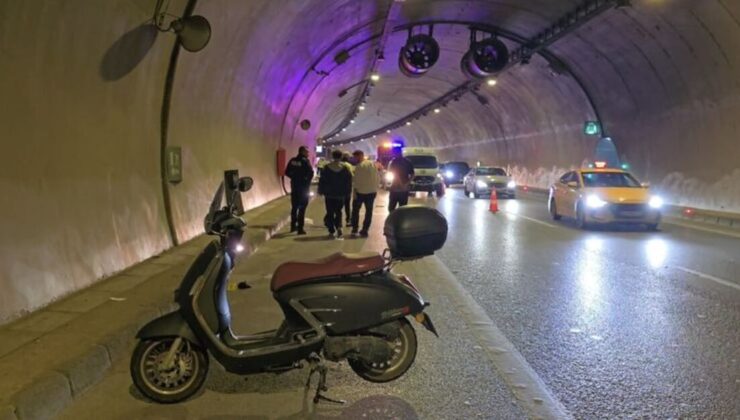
(454, 172)
(606, 195)
(482, 180)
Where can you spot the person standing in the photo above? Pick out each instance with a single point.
(403, 172)
(365, 182)
(347, 201)
(335, 185)
(300, 172)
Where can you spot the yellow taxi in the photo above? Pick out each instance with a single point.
(603, 195)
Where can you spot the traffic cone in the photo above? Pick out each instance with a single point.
(493, 205)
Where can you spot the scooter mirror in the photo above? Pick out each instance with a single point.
(245, 183)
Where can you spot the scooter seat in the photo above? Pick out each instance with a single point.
(339, 264)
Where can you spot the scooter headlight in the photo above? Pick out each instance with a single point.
(656, 202)
(449, 174)
(481, 184)
(389, 176)
(238, 247)
(595, 202)
(511, 185)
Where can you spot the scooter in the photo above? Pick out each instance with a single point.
(342, 307)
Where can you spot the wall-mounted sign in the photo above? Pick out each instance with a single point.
(174, 164)
(592, 128)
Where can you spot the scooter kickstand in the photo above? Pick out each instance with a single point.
(317, 366)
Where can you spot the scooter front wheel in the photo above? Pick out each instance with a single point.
(403, 344)
(168, 369)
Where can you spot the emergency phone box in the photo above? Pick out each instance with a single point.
(414, 232)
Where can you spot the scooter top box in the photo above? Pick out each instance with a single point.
(415, 232)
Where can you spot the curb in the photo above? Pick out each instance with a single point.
(47, 396)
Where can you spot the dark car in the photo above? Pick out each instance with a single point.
(454, 172)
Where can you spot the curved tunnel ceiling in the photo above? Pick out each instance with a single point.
(659, 73)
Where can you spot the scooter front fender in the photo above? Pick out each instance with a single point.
(170, 325)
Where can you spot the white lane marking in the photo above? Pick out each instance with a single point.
(709, 277)
(513, 368)
(674, 222)
(531, 219)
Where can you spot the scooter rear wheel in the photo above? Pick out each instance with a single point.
(168, 385)
(404, 347)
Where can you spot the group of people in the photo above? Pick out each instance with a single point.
(346, 181)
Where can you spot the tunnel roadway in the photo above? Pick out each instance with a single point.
(613, 324)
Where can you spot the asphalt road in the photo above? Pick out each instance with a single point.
(618, 324)
(611, 324)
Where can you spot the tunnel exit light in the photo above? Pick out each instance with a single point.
(592, 128)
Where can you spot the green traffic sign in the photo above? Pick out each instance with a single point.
(592, 128)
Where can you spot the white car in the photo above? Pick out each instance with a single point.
(482, 180)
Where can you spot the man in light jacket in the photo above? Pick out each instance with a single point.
(366, 181)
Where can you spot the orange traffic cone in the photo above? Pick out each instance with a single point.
(493, 205)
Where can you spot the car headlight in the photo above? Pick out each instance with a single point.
(449, 174)
(439, 176)
(511, 185)
(655, 202)
(595, 202)
(481, 184)
(389, 176)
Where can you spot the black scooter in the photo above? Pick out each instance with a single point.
(341, 307)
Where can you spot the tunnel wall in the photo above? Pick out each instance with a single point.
(82, 101)
(81, 97)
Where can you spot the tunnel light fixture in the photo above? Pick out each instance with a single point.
(408, 122)
(388, 131)
(193, 32)
(375, 77)
(361, 107)
(491, 82)
(437, 110)
(351, 121)
(344, 129)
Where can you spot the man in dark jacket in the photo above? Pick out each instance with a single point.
(300, 173)
(403, 172)
(335, 185)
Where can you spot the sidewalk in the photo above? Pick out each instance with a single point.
(458, 375)
(50, 357)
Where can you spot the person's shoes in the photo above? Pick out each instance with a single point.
(353, 233)
(293, 229)
(339, 234)
(331, 235)
(301, 232)
(363, 234)
(349, 223)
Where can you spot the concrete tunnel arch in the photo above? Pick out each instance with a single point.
(83, 94)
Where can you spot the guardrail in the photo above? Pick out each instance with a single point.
(684, 212)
